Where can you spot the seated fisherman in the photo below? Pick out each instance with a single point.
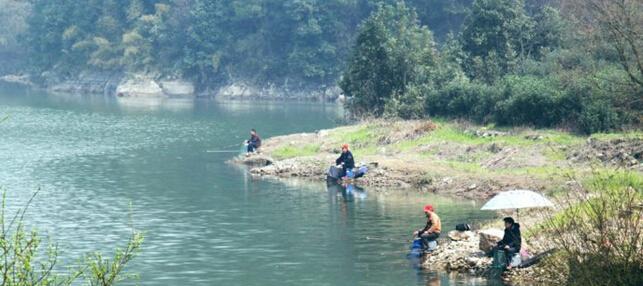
(254, 142)
(345, 160)
(431, 230)
(511, 240)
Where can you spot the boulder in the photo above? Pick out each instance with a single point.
(489, 239)
(460, 235)
(21, 79)
(257, 160)
(177, 88)
(237, 90)
(140, 87)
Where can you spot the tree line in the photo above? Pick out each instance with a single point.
(569, 63)
(575, 65)
(298, 43)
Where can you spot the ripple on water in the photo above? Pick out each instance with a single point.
(205, 223)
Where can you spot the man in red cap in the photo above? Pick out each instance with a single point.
(431, 230)
(345, 160)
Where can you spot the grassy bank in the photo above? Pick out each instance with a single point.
(451, 157)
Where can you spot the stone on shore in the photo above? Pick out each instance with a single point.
(140, 87)
(177, 88)
(456, 235)
(459, 256)
(237, 90)
(21, 79)
(489, 239)
(257, 160)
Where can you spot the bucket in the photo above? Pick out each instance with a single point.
(499, 263)
(515, 260)
(432, 245)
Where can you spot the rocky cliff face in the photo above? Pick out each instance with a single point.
(87, 82)
(241, 90)
(138, 85)
(119, 84)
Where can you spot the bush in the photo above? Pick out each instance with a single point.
(599, 232)
(597, 116)
(529, 100)
(24, 263)
(462, 98)
(408, 105)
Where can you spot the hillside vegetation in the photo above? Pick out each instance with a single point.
(552, 67)
(574, 64)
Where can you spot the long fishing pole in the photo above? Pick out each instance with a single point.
(222, 150)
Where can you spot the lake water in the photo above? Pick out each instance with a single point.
(206, 222)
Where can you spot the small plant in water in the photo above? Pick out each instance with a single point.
(24, 262)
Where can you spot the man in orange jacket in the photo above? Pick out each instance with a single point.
(432, 229)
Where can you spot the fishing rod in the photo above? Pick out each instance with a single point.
(222, 150)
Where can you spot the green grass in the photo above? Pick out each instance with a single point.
(622, 135)
(363, 151)
(448, 132)
(608, 187)
(555, 154)
(540, 171)
(367, 135)
(363, 136)
(612, 181)
(466, 167)
(286, 152)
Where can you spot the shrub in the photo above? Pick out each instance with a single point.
(24, 263)
(597, 116)
(529, 100)
(599, 232)
(462, 98)
(408, 105)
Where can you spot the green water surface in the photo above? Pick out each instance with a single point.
(206, 222)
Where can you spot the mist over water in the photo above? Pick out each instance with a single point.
(206, 222)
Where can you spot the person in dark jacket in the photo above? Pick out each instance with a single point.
(345, 160)
(511, 240)
(254, 142)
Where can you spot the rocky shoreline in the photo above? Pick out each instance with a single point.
(150, 86)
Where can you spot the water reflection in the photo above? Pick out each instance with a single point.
(348, 192)
(155, 104)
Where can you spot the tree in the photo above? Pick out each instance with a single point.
(366, 82)
(618, 23)
(394, 64)
(494, 35)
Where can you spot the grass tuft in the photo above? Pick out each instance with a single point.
(289, 151)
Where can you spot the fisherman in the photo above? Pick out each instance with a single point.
(345, 160)
(254, 142)
(431, 230)
(511, 240)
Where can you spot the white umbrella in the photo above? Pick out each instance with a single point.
(517, 199)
